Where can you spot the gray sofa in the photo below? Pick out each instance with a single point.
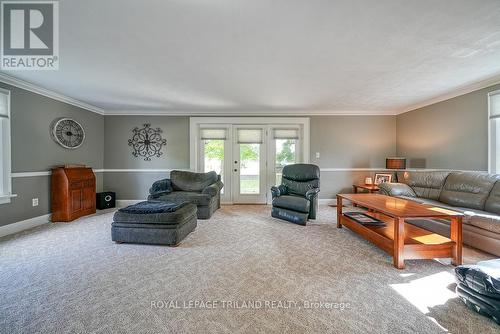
(476, 195)
(202, 189)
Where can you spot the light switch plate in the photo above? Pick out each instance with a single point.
(317, 155)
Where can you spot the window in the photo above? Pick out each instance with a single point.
(286, 150)
(494, 132)
(249, 141)
(5, 183)
(213, 148)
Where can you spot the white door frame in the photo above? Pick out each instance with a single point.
(196, 123)
(238, 197)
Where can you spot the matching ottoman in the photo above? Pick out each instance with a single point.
(479, 287)
(154, 222)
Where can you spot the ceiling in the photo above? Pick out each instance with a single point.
(272, 57)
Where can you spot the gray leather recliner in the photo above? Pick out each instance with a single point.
(296, 199)
(202, 189)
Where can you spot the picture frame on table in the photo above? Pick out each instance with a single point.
(383, 178)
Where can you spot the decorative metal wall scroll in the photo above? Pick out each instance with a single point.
(147, 142)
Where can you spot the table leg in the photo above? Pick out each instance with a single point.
(355, 191)
(399, 243)
(339, 211)
(456, 236)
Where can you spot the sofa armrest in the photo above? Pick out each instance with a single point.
(396, 189)
(160, 187)
(278, 191)
(312, 193)
(213, 189)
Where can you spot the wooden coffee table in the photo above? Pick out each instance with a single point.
(398, 238)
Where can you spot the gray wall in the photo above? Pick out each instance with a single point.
(117, 132)
(343, 142)
(34, 150)
(350, 142)
(452, 134)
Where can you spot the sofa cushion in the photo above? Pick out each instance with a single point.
(483, 220)
(189, 196)
(493, 202)
(189, 181)
(179, 215)
(294, 203)
(425, 184)
(153, 207)
(468, 190)
(396, 190)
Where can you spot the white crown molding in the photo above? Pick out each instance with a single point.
(455, 93)
(48, 93)
(121, 203)
(24, 225)
(268, 112)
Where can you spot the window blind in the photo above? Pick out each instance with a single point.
(495, 105)
(207, 134)
(249, 136)
(286, 133)
(4, 105)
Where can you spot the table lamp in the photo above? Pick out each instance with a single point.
(395, 163)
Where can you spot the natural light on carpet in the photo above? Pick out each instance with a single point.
(427, 292)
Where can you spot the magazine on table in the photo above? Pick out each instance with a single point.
(364, 219)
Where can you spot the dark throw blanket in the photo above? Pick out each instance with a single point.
(153, 207)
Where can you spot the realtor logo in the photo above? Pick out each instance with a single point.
(30, 35)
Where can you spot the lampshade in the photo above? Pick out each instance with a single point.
(395, 163)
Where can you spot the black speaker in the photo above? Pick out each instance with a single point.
(105, 200)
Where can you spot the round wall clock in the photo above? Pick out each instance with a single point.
(67, 132)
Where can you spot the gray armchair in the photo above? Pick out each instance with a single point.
(296, 199)
(202, 189)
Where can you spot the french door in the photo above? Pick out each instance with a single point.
(249, 157)
(249, 165)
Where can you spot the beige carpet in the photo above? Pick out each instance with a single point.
(70, 278)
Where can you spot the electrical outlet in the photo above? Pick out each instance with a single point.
(317, 155)
(35, 201)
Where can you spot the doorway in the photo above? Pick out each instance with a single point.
(248, 153)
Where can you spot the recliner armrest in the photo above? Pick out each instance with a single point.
(160, 187)
(213, 189)
(311, 193)
(279, 191)
(396, 189)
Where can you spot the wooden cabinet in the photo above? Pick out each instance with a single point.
(72, 193)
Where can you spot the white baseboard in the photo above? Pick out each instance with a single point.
(327, 201)
(121, 203)
(24, 225)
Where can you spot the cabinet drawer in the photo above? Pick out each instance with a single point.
(88, 183)
(75, 185)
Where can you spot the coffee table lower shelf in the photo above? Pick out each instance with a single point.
(418, 243)
(411, 242)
